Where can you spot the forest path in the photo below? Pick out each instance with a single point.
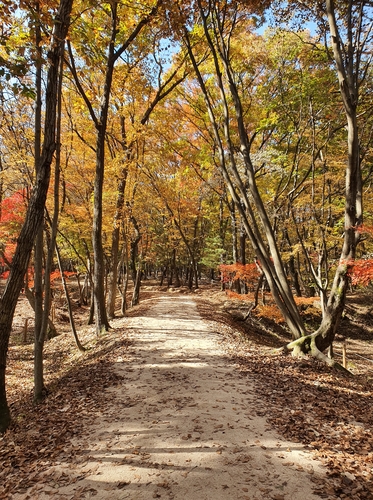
(182, 424)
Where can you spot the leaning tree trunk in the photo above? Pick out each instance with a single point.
(266, 249)
(347, 73)
(35, 210)
(68, 302)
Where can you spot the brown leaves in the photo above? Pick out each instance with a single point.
(42, 436)
(308, 403)
(327, 412)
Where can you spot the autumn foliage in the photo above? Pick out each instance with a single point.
(13, 210)
(361, 272)
(248, 273)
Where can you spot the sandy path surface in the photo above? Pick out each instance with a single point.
(181, 425)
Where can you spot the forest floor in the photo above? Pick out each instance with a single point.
(179, 401)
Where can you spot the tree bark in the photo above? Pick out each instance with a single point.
(68, 301)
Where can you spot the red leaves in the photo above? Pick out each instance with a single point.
(361, 272)
(13, 209)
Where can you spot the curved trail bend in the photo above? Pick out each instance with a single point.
(182, 424)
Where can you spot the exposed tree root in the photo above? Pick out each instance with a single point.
(307, 346)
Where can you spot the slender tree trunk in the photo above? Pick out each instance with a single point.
(68, 302)
(52, 331)
(38, 251)
(101, 320)
(137, 284)
(134, 248)
(124, 265)
(232, 212)
(115, 239)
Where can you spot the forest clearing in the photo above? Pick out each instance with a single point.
(179, 401)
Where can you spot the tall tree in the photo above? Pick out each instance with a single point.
(222, 23)
(35, 211)
(220, 20)
(351, 32)
(113, 53)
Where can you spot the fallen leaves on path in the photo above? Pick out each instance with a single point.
(42, 435)
(307, 402)
(304, 400)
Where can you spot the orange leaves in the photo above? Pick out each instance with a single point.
(363, 229)
(245, 272)
(270, 311)
(55, 275)
(234, 295)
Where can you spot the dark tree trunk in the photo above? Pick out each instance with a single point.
(136, 288)
(101, 320)
(115, 241)
(38, 251)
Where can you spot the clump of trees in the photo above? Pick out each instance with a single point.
(182, 136)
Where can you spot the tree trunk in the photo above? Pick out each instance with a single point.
(101, 320)
(347, 73)
(124, 265)
(137, 284)
(38, 251)
(113, 277)
(52, 330)
(68, 301)
(35, 211)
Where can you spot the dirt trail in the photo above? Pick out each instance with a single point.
(181, 425)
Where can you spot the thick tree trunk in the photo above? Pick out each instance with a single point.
(35, 211)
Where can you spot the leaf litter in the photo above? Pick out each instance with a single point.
(303, 400)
